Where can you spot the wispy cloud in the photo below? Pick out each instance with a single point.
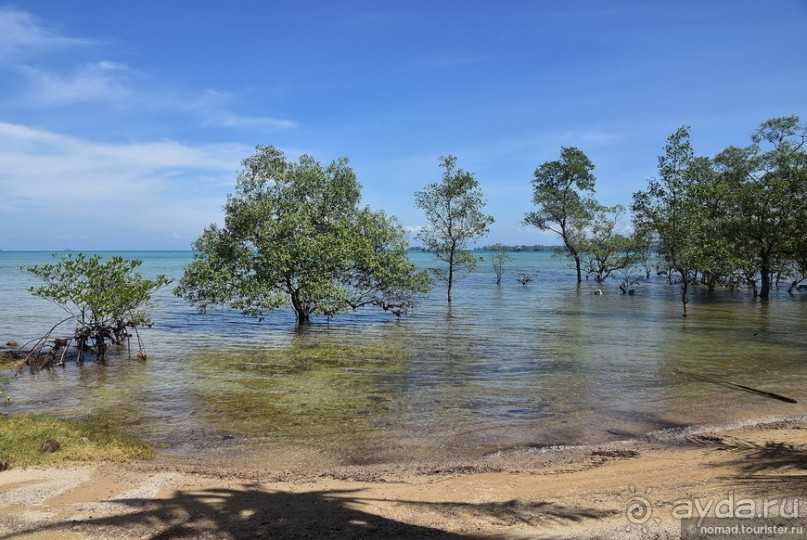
(214, 108)
(163, 187)
(99, 81)
(590, 137)
(252, 122)
(21, 32)
(26, 45)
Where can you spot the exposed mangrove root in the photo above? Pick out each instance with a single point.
(43, 352)
(94, 339)
(797, 285)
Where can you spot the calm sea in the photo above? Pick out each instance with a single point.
(543, 365)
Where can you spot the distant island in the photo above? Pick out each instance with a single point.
(519, 248)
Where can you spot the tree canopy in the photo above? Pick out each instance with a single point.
(562, 192)
(737, 217)
(295, 235)
(453, 208)
(671, 209)
(765, 186)
(604, 250)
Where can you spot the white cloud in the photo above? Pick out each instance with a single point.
(100, 81)
(69, 185)
(21, 32)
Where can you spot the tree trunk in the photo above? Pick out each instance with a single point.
(450, 272)
(685, 294)
(765, 278)
(100, 347)
(577, 266)
(300, 308)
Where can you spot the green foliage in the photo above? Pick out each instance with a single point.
(561, 191)
(453, 208)
(294, 234)
(96, 292)
(766, 194)
(738, 216)
(605, 251)
(103, 297)
(670, 210)
(500, 258)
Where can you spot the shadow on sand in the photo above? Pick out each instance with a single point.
(253, 512)
(760, 464)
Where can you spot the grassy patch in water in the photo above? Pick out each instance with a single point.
(90, 439)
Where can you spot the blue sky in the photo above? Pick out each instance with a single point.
(123, 124)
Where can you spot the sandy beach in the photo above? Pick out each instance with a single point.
(632, 489)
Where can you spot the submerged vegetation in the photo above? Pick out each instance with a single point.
(296, 236)
(321, 385)
(90, 439)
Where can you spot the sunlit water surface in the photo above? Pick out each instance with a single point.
(542, 365)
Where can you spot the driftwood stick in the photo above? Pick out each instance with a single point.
(740, 386)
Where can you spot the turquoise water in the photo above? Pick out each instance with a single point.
(546, 364)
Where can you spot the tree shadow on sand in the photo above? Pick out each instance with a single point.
(253, 512)
(771, 462)
(513, 512)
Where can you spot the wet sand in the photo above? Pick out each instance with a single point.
(582, 492)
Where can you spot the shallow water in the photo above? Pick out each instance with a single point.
(542, 365)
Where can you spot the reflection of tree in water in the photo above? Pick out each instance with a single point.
(255, 513)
